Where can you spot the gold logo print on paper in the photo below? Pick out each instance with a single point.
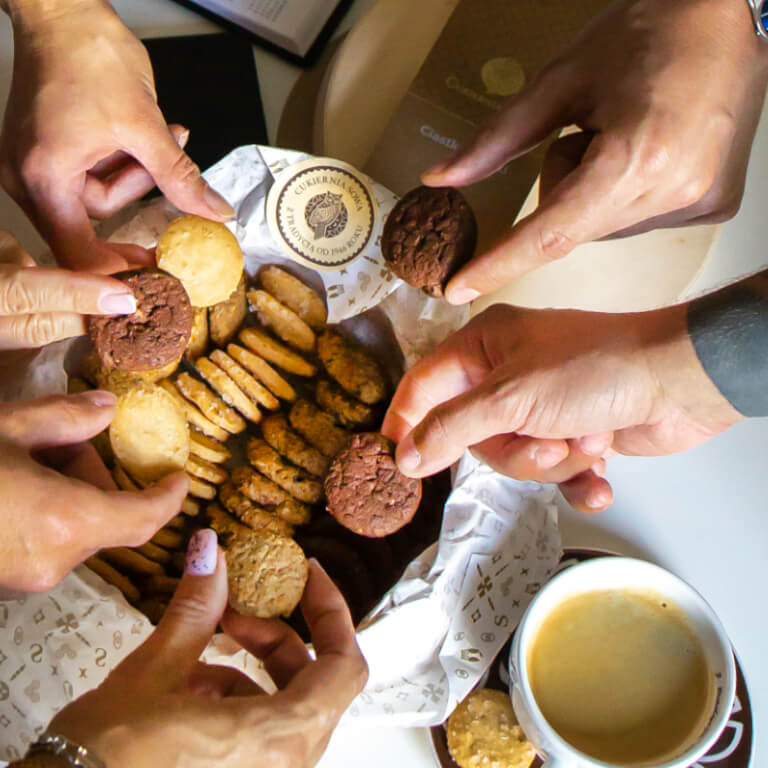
(502, 76)
(326, 215)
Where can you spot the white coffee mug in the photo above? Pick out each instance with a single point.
(620, 573)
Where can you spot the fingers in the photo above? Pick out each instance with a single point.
(34, 331)
(81, 462)
(545, 461)
(57, 420)
(339, 674)
(588, 493)
(32, 290)
(11, 251)
(217, 682)
(587, 204)
(190, 620)
(120, 179)
(562, 157)
(526, 120)
(271, 640)
(178, 178)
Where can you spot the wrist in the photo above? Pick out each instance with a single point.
(29, 14)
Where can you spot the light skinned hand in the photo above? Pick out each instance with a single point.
(39, 306)
(548, 394)
(59, 501)
(668, 95)
(83, 134)
(161, 706)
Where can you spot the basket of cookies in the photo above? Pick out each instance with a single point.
(260, 361)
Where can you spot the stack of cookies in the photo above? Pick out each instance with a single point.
(260, 399)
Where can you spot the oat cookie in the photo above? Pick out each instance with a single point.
(212, 406)
(256, 391)
(347, 411)
(281, 437)
(284, 322)
(274, 352)
(230, 393)
(352, 367)
(227, 316)
(318, 428)
(296, 481)
(263, 371)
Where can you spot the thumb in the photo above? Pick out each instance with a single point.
(48, 422)
(192, 615)
(178, 178)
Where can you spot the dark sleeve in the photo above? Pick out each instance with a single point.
(729, 331)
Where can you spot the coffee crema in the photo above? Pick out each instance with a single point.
(621, 676)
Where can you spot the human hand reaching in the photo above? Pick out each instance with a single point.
(83, 135)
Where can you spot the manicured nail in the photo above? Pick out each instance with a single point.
(594, 445)
(202, 553)
(600, 468)
(437, 168)
(408, 458)
(183, 138)
(549, 456)
(217, 203)
(100, 398)
(461, 295)
(117, 303)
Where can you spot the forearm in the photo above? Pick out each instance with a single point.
(30, 12)
(729, 332)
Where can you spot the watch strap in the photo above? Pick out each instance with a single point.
(759, 9)
(74, 754)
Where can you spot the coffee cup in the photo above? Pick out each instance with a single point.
(617, 662)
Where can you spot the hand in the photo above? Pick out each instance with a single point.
(58, 504)
(40, 306)
(545, 394)
(83, 135)
(668, 95)
(162, 707)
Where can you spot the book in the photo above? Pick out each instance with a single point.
(295, 29)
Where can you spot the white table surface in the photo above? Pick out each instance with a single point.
(702, 514)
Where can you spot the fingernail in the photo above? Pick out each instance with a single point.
(600, 468)
(183, 138)
(594, 445)
(202, 553)
(100, 398)
(597, 500)
(461, 295)
(548, 456)
(117, 303)
(408, 458)
(437, 168)
(217, 203)
(315, 563)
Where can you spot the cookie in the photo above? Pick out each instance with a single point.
(300, 484)
(297, 296)
(483, 732)
(317, 428)
(130, 560)
(257, 487)
(200, 488)
(366, 492)
(255, 391)
(347, 411)
(429, 235)
(230, 393)
(255, 517)
(204, 255)
(205, 470)
(190, 507)
(351, 367)
(210, 404)
(271, 350)
(155, 335)
(119, 382)
(293, 511)
(153, 552)
(112, 576)
(227, 316)
(267, 574)
(194, 415)
(263, 371)
(168, 539)
(284, 322)
(207, 448)
(225, 525)
(149, 434)
(278, 433)
(198, 338)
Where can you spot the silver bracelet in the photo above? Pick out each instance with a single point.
(75, 754)
(759, 10)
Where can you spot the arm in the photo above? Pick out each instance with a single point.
(83, 135)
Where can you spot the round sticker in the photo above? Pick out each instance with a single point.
(322, 213)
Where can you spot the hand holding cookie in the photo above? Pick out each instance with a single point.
(39, 306)
(215, 715)
(60, 506)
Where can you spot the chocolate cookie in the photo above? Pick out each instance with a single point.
(366, 491)
(155, 335)
(428, 236)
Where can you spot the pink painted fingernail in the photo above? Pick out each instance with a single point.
(461, 295)
(117, 303)
(202, 553)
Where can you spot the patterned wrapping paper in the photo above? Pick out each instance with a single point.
(432, 636)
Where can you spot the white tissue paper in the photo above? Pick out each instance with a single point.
(430, 639)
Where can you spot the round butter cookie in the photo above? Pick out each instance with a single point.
(149, 434)
(204, 255)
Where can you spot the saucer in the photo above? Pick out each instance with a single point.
(732, 750)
